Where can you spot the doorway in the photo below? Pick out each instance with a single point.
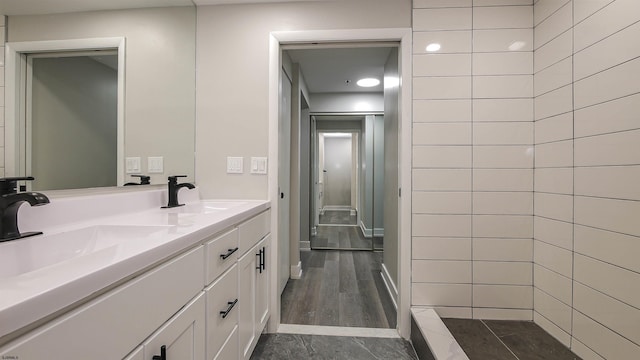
(344, 265)
(400, 269)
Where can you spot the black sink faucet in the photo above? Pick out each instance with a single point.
(144, 180)
(174, 187)
(10, 201)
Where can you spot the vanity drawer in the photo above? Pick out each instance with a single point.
(222, 300)
(254, 229)
(221, 253)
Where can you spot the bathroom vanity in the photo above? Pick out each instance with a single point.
(129, 280)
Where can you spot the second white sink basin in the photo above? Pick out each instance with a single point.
(29, 254)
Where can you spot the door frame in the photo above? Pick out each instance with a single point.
(404, 37)
(15, 70)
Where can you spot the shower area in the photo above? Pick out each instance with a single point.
(348, 182)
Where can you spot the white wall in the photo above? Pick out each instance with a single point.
(2, 38)
(233, 69)
(160, 76)
(472, 158)
(587, 170)
(347, 102)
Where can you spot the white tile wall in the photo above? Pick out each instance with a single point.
(441, 179)
(587, 168)
(473, 141)
(502, 40)
(557, 23)
(502, 179)
(450, 41)
(442, 19)
(442, 64)
(502, 110)
(595, 120)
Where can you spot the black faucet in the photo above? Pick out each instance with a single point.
(10, 201)
(174, 187)
(144, 180)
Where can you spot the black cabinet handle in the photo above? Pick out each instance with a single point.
(224, 313)
(261, 262)
(259, 255)
(264, 260)
(229, 253)
(163, 354)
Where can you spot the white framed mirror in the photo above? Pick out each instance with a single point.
(156, 89)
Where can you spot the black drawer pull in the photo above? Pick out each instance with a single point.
(229, 253)
(231, 304)
(163, 354)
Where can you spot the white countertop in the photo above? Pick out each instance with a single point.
(27, 296)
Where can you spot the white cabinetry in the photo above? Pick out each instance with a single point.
(210, 302)
(180, 338)
(253, 286)
(112, 325)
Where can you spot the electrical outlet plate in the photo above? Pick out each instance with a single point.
(133, 165)
(258, 165)
(155, 164)
(235, 165)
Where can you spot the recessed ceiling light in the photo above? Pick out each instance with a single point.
(433, 47)
(368, 82)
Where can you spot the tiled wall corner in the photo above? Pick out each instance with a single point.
(473, 158)
(553, 174)
(587, 168)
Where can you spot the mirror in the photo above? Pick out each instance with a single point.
(155, 102)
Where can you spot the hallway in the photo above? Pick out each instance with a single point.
(339, 288)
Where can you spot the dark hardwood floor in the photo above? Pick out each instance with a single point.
(337, 217)
(339, 288)
(343, 238)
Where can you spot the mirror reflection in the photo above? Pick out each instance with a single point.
(72, 119)
(63, 132)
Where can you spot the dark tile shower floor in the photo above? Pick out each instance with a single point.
(506, 340)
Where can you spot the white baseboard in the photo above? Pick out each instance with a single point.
(296, 271)
(368, 232)
(336, 208)
(305, 245)
(391, 287)
(365, 232)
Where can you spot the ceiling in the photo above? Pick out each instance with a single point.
(327, 70)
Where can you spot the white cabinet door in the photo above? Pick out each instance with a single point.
(182, 337)
(247, 269)
(262, 286)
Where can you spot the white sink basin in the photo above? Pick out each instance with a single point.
(37, 252)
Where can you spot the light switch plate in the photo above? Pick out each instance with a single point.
(258, 165)
(133, 165)
(155, 164)
(235, 165)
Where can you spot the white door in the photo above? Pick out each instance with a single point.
(284, 166)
